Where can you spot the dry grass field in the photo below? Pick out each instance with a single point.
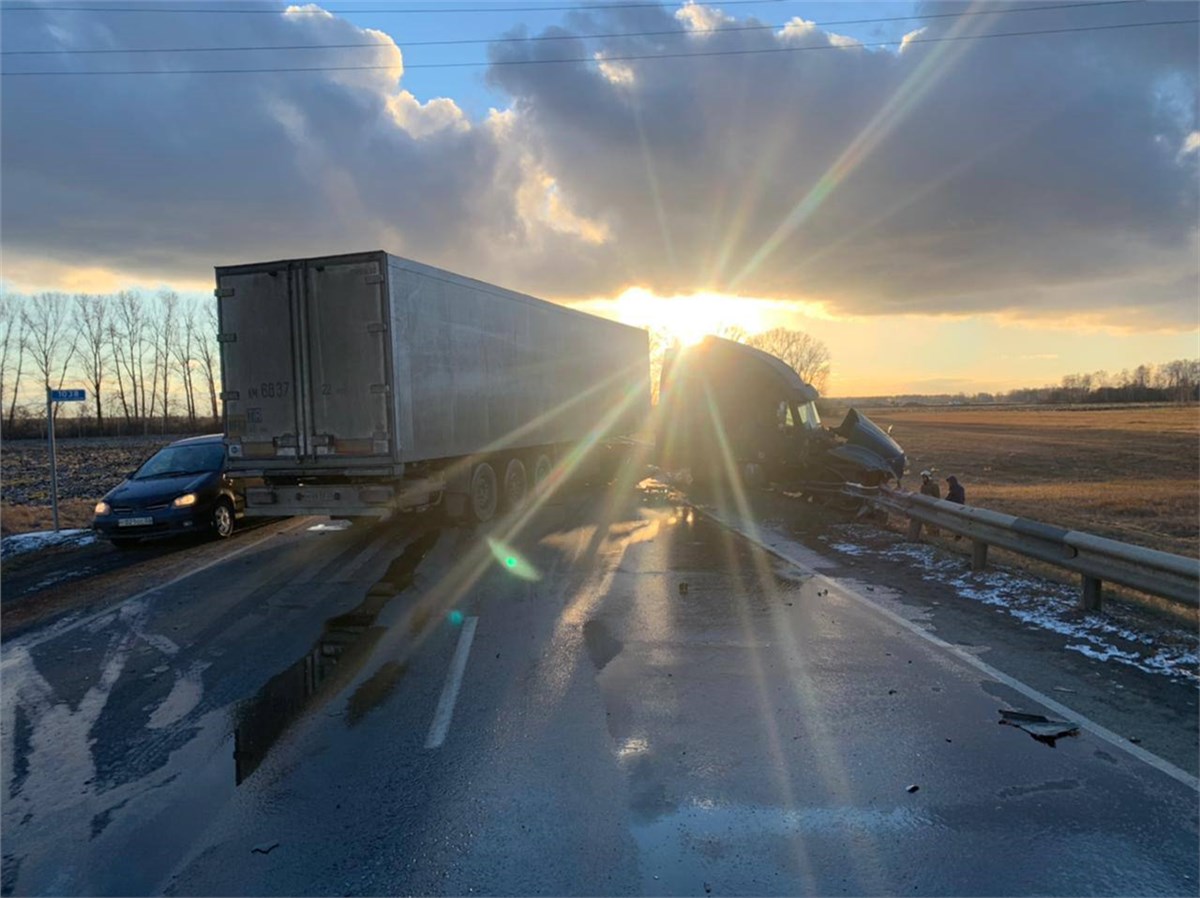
(1129, 473)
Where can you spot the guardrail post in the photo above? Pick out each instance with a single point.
(1092, 589)
(914, 529)
(978, 555)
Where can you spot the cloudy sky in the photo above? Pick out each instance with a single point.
(953, 196)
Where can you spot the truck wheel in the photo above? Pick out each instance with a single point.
(515, 483)
(484, 495)
(542, 468)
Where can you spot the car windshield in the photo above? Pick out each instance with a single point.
(196, 459)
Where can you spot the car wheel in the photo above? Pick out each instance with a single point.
(222, 519)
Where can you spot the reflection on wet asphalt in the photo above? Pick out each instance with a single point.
(663, 709)
(344, 645)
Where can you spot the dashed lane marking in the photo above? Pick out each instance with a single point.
(458, 665)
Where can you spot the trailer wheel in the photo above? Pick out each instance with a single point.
(542, 468)
(484, 495)
(516, 484)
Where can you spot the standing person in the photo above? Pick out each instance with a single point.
(956, 493)
(929, 487)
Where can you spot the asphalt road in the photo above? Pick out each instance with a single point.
(619, 697)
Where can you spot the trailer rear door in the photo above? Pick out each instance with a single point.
(350, 412)
(258, 337)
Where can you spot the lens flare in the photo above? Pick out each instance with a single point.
(513, 562)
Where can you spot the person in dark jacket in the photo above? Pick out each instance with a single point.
(929, 487)
(955, 493)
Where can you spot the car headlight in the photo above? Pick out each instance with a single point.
(185, 500)
(101, 508)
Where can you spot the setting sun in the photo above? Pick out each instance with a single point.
(690, 318)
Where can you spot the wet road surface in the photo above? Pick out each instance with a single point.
(621, 698)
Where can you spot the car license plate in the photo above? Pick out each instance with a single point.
(135, 522)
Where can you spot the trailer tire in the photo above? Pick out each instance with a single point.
(484, 495)
(516, 484)
(542, 469)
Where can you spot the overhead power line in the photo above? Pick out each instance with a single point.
(630, 58)
(375, 45)
(161, 8)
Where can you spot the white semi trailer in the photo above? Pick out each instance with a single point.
(364, 384)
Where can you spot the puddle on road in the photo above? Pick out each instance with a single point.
(328, 666)
(602, 646)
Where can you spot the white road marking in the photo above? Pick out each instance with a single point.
(458, 665)
(55, 632)
(963, 655)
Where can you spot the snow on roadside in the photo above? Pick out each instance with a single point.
(1173, 652)
(21, 543)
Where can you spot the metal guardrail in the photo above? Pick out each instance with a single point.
(1095, 558)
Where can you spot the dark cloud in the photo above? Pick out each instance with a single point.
(950, 177)
(1035, 174)
(174, 173)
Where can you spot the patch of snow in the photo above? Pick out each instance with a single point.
(21, 543)
(1040, 604)
(849, 549)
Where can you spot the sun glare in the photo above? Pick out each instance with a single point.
(688, 319)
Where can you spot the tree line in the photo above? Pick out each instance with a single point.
(1177, 381)
(148, 363)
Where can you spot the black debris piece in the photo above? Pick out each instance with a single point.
(1042, 728)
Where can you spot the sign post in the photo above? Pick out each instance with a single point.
(53, 396)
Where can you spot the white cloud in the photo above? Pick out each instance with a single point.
(907, 40)
(698, 17)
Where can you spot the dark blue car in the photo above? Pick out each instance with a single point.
(182, 488)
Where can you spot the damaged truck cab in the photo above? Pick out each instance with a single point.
(730, 410)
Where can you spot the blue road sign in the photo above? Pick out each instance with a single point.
(68, 395)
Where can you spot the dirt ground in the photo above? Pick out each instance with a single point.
(1129, 473)
(87, 469)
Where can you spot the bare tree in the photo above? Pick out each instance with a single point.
(184, 344)
(207, 347)
(804, 352)
(94, 346)
(52, 342)
(164, 329)
(12, 340)
(129, 351)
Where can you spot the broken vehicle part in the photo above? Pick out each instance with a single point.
(728, 410)
(1040, 727)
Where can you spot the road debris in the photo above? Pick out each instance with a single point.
(913, 788)
(1040, 727)
(264, 848)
